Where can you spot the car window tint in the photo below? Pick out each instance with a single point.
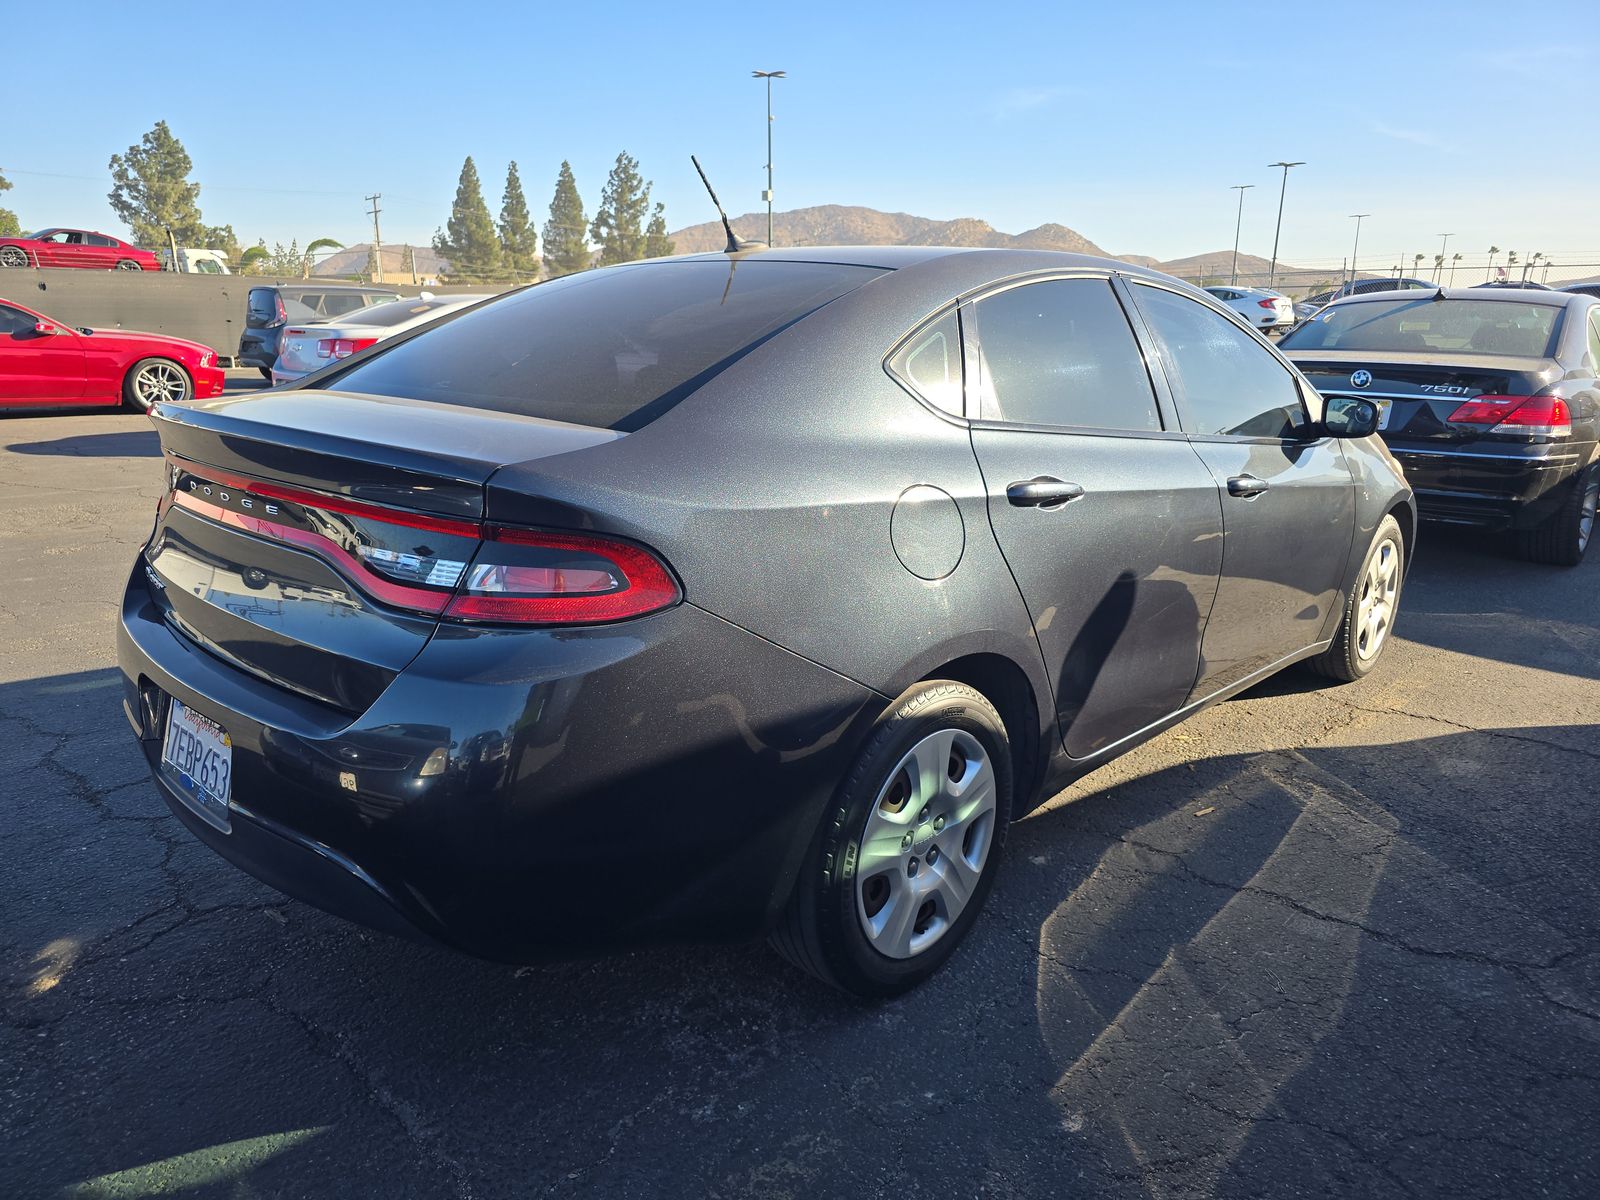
(930, 364)
(1061, 352)
(96, 239)
(14, 320)
(336, 304)
(612, 349)
(260, 302)
(1226, 381)
(1474, 327)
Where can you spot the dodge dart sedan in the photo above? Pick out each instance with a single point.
(731, 595)
(1488, 397)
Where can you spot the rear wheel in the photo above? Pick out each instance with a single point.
(909, 847)
(127, 264)
(1563, 539)
(154, 380)
(1370, 611)
(13, 256)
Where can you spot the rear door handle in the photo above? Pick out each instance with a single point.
(1045, 491)
(1246, 486)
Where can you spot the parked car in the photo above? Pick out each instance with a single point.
(1584, 289)
(44, 362)
(316, 344)
(196, 260)
(1489, 399)
(708, 597)
(269, 307)
(1260, 307)
(1356, 287)
(75, 248)
(1526, 285)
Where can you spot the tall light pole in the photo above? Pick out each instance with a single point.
(1444, 240)
(1357, 218)
(1272, 271)
(1237, 222)
(769, 76)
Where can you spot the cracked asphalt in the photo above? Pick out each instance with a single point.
(1318, 941)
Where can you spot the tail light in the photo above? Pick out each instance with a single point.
(1266, 304)
(1542, 413)
(341, 347)
(535, 578)
(280, 313)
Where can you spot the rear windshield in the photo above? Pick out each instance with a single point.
(1486, 327)
(398, 312)
(611, 349)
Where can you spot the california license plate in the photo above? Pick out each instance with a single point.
(197, 755)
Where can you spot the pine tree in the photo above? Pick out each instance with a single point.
(9, 226)
(519, 244)
(468, 239)
(565, 250)
(619, 223)
(151, 194)
(656, 242)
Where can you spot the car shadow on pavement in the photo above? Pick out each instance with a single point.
(1291, 971)
(127, 443)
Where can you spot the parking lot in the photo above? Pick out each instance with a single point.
(1318, 941)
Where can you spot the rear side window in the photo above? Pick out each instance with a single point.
(336, 304)
(611, 349)
(1061, 352)
(398, 312)
(1226, 381)
(930, 364)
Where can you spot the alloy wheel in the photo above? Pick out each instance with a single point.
(925, 843)
(128, 264)
(1380, 590)
(159, 381)
(11, 256)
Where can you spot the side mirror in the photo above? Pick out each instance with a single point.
(45, 327)
(1350, 417)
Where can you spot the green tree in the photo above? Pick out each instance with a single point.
(151, 194)
(468, 239)
(565, 250)
(618, 225)
(519, 244)
(656, 242)
(283, 262)
(9, 226)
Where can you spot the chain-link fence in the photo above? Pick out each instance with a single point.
(1298, 282)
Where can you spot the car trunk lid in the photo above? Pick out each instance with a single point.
(313, 538)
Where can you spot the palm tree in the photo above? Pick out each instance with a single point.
(1438, 266)
(1532, 262)
(1454, 259)
(1488, 271)
(319, 244)
(1418, 262)
(252, 256)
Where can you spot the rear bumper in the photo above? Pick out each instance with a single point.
(659, 779)
(258, 348)
(1508, 487)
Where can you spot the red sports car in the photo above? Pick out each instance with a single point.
(75, 248)
(45, 362)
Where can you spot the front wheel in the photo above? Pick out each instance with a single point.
(1370, 611)
(154, 381)
(127, 264)
(13, 256)
(909, 846)
(1563, 539)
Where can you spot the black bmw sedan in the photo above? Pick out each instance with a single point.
(723, 596)
(1489, 399)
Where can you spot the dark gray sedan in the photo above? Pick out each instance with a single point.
(723, 596)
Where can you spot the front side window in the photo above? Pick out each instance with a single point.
(14, 320)
(1227, 383)
(930, 364)
(1061, 352)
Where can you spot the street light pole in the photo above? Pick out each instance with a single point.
(1272, 271)
(769, 76)
(1238, 221)
(1357, 218)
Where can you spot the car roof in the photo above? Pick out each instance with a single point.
(325, 287)
(996, 261)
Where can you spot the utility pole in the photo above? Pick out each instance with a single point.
(377, 238)
(1357, 218)
(769, 76)
(1233, 280)
(1272, 271)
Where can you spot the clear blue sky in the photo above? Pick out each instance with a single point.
(1126, 121)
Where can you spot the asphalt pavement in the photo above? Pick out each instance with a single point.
(1317, 941)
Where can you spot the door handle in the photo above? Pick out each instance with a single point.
(1045, 491)
(1246, 486)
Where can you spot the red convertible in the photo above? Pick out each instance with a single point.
(45, 362)
(75, 248)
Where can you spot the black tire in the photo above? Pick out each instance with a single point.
(266, 373)
(821, 931)
(139, 398)
(127, 264)
(1565, 536)
(1347, 659)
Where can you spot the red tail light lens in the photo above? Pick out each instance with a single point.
(1266, 304)
(1548, 413)
(341, 347)
(281, 315)
(525, 577)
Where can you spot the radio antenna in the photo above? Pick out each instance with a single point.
(736, 245)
